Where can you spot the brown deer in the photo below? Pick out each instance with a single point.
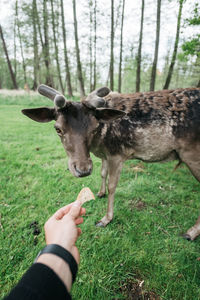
(152, 126)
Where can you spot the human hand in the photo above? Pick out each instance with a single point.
(61, 228)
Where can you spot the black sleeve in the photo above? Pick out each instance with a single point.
(39, 283)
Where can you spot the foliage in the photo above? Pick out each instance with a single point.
(192, 46)
(153, 206)
(195, 20)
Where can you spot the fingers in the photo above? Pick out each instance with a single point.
(75, 209)
(62, 211)
(79, 231)
(83, 211)
(79, 221)
(65, 209)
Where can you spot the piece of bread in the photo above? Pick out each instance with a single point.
(85, 195)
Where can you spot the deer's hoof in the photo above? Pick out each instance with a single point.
(100, 224)
(101, 195)
(186, 237)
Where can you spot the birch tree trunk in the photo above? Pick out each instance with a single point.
(121, 49)
(79, 67)
(139, 54)
(67, 70)
(12, 75)
(154, 66)
(171, 67)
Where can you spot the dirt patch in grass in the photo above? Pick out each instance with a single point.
(134, 290)
(35, 231)
(137, 204)
(35, 227)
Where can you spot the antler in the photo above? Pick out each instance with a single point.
(58, 99)
(95, 98)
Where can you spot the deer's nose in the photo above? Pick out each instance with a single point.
(82, 173)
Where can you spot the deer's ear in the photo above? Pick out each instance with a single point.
(108, 114)
(42, 114)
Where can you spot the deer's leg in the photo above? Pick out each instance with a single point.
(193, 164)
(114, 170)
(104, 173)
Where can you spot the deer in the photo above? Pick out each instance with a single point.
(151, 126)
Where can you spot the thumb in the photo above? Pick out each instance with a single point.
(75, 209)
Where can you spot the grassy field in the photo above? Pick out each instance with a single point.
(140, 255)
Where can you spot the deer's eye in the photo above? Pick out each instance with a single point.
(59, 132)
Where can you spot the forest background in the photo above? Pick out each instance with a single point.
(77, 46)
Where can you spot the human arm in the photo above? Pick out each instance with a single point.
(61, 229)
(50, 277)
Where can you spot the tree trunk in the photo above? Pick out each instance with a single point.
(21, 46)
(154, 66)
(90, 45)
(79, 68)
(38, 24)
(121, 49)
(35, 46)
(95, 47)
(112, 47)
(46, 52)
(56, 47)
(68, 76)
(171, 67)
(139, 50)
(14, 46)
(12, 75)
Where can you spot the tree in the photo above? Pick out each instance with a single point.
(12, 75)
(95, 47)
(20, 43)
(79, 67)
(67, 70)
(38, 24)
(91, 44)
(35, 46)
(154, 66)
(49, 80)
(112, 47)
(171, 67)
(121, 48)
(139, 54)
(14, 45)
(56, 47)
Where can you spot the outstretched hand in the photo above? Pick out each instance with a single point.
(61, 228)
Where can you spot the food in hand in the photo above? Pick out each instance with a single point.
(85, 195)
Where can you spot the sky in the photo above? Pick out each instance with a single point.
(169, 14)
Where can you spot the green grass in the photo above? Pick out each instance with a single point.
(142, 242)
